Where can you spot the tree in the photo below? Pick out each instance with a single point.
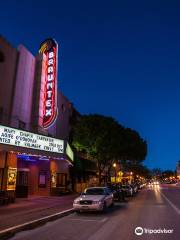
(98, 137)
(106, 141)
(135, 148)
(156, 172)
(168, 174)
(139, 169)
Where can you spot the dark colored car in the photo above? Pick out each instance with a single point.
(118, 192)
(128, 190)
(134, 187)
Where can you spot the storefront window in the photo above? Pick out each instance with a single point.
(61, 180)
(42, 179)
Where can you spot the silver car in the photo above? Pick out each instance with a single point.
(94, 199)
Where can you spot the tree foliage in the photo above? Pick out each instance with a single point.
(106, 141)
(168, 173)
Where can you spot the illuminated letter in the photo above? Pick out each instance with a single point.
(50, 62)
(50, 77)
(49, 85)
(51, 55)
(49, 93)
(50, 69)
(48, 103)
(48, 112)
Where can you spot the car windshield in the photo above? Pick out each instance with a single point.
(94, 191)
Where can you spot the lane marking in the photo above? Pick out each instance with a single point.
(15, 228)
(158, 196)
(88, 220)
(104, 219)
(177, 210)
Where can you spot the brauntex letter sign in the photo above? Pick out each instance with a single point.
(49, 49)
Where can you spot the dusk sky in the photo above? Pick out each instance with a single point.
(116, 58)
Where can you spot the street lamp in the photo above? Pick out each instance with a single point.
(131, 177)
(114, 165)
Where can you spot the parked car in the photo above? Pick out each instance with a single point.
(94, 199)
(118, 192)
(178, 183)
(128, 190)
(134, 187)
(140, 185)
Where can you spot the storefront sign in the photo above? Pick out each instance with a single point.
(11, 179)
(69, 152)
(49, 82)
(16, 137)
(42, 179)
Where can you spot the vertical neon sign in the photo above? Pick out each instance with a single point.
(50, 50)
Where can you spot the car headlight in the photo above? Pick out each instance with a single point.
(76, 201)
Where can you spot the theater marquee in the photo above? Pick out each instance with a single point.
(16, 137)
(48, 98)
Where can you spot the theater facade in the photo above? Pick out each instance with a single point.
(35, 117)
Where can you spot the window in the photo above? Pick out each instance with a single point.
(61, 180)
(42, 179)
(69, 105)
(63, 108)
(95, 191)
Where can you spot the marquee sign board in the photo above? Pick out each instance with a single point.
(16, 137)
(69, 152)
(49, 49)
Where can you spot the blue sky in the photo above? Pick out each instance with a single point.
(118, 58)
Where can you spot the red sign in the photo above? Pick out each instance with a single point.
(50, 49)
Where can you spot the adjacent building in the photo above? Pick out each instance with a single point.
(35, 122)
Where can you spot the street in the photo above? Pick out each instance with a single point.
(154, 208)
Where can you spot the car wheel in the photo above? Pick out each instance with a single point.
(104, 207)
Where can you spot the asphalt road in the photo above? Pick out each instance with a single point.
(153, 209)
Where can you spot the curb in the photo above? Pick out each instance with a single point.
(10, 232)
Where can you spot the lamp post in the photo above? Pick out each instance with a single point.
(131, 176)
(114, 165)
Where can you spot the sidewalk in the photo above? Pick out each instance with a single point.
(32, 208)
